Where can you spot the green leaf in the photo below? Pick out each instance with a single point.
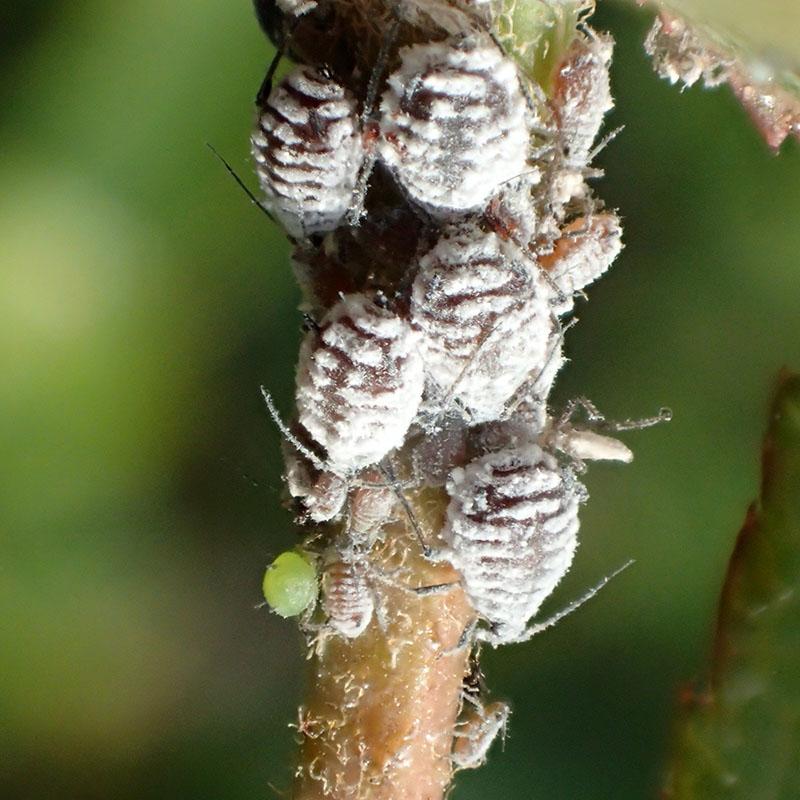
(739, 739)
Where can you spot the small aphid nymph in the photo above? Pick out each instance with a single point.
(582, 96)
(321, 493)
(347, 597)
(453, 124)
(587, 248)
(308, 151)
(476, 731)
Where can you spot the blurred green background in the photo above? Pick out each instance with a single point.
(143, 301)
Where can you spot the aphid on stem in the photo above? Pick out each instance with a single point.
(308, 151)
(453, 124)
(484, 317)
(359, 383)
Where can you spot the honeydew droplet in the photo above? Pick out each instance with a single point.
(290, 584)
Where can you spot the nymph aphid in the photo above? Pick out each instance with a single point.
(478, 723)
(359, 383)
(511, 532)
(475, 732)
(679, 54)
(582, 96)
(308, 151)
(347, 597)
(369, 508)
(453, 124)
(290, 584)
(321, 493)
(587, 248)
(485, 319)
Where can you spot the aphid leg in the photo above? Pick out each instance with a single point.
(290, 437)
(469, 633)
(539, 627)
(598, 419)
(253, 199)
(367, 124)
(604, 142)
(419, 591)
(432, 554)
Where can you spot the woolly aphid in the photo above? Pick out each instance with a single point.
(485, 318)
(308, 151)
(359, 383)
(453, 124)
(511, 532)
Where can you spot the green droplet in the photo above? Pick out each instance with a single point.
(290, 584)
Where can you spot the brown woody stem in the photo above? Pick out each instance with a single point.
(382, 707)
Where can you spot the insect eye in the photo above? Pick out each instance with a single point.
(290, 584)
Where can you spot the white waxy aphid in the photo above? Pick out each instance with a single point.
(453, 124)
(582, 96)
(308, 151)
(485, 317)
(476, 731)
(359, 383)
(586, 249)
(347, 597)
(322, 493)
(511, 531)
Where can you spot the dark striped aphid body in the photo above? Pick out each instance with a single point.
(511, 531)
(485, 318)
(359, 383)
(308, 151)
(453, 124)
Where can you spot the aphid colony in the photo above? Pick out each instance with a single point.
(432, 345)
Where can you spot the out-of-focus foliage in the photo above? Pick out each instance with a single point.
(143, 302)
(771, 24)
(739, 737)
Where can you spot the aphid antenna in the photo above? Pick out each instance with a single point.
(290, 437)
(540, 627)
(276, 791)
(232, 172)
(519, 176)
